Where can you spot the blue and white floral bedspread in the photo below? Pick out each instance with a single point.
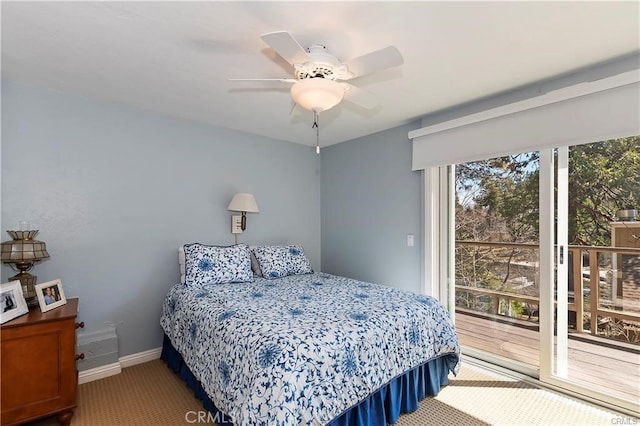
(302, 349)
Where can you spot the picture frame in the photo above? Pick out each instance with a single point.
(12, 301)
(50, 295)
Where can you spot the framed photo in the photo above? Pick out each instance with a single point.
(12, 301)
(50, 295)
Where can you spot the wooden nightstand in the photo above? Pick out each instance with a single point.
(38, 361)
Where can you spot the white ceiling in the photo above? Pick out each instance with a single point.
(174, 58)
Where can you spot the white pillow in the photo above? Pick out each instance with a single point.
(181, 261)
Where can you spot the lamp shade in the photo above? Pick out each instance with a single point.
(23, 248)
(243, 202)
(317, 94)
(23, 251)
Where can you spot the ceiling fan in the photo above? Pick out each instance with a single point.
(319, 78)
(316, 62)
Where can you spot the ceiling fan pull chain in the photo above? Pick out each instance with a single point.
(315, 124)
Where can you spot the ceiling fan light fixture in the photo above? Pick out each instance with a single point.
(317, 94)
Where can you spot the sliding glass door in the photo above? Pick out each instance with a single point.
(497, 272)
(591, 337)
(546, 277)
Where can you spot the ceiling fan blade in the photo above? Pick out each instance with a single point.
(286, 46)
(375, 61)
(359, 96)
(282, 80)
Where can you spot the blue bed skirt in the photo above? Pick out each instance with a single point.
(400, 395)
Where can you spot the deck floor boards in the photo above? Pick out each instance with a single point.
(608, 369)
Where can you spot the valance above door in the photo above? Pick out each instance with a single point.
(600, 110)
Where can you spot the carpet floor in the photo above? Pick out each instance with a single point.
(150, 394)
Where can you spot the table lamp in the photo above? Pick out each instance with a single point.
(23, 252)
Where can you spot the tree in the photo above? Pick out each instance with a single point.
(507, 188)
(492, 204)
(497, 201)
(604, 177)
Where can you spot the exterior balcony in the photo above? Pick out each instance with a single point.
(497, 302)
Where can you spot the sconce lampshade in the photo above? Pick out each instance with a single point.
(317, 94)
(243, 202)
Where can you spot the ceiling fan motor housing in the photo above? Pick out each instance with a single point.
(322, 65)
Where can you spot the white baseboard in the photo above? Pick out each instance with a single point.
(140, 357)
(99, 373)
(116, 368)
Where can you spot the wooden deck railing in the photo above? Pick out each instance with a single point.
(578, 305)
(594, 271)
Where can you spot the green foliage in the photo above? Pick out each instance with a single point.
(503, 191)
(497, 199)
(603, 178)
(517, 309)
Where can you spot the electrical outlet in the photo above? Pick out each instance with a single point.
(236, 224)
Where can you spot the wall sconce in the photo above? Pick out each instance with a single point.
(24, 252)
(244, 203)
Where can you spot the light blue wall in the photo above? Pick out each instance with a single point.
(115, 190)
(371, 201)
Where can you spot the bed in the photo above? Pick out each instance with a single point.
(286, 345)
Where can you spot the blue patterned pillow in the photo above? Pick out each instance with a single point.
(217, 265)
(280, 261)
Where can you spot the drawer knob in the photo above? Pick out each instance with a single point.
(80, 356)
(80, 325)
